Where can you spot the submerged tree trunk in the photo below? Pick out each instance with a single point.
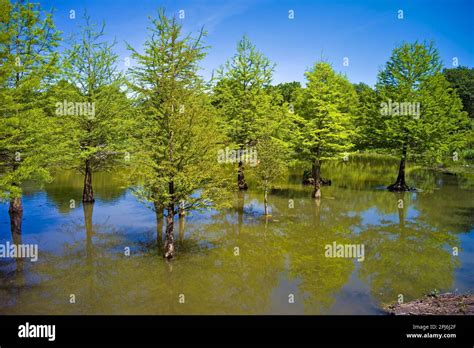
(400, 185)
(316, 173)
(16, 215)
(240, 177)
(169, 241)
(88, 193)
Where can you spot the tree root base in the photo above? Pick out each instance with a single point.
(400, 187)
(243, 186)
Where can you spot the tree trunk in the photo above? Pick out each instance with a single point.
(316, 172)
(16, 215)
(400, 185)
(169, 241)
(88, 193)
(240, 177)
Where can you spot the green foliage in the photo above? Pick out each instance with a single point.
(99, 133)
(245, 104)
(178, 138)
(288, 91)
(367, 118)
(272, 161)
(444, 124)
(408, 66)
(413, 75)
(462, 80)
(325, 110)
(28, 63)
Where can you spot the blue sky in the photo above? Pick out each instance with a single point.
(363, 31)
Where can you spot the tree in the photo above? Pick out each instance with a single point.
(243, 100)
(462, 80)
(27, 136)
(179, 136)
(367, 120)
(324, 116)
(271, 164)
(288, 91)
(421, 112)
(94, 110)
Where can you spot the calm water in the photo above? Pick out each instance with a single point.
(408, 251)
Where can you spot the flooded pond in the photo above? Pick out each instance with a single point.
(235, 261)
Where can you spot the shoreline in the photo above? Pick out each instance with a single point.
(444, 304)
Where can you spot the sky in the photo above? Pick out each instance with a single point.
(361, 33)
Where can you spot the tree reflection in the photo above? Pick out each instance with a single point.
(235, 261)
(407, 257)
(68, 186)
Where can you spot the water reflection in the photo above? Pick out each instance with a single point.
(407, 258)
(68, 186)
(238, 262)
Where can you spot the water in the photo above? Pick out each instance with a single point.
(408, 251)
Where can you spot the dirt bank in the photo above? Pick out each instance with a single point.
(445, 304)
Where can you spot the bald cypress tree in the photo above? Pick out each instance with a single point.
(92, 106)
(245, 104)
(420, 110)
(325, 110)
(178, 139)
(27, 135)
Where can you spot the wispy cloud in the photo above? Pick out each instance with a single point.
(215, 13)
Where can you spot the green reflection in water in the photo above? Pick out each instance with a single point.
(408, 250)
